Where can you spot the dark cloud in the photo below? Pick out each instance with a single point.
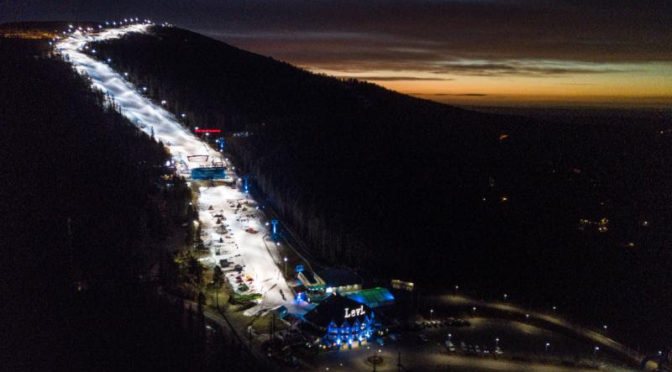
(396, 78)
(616, 31)
(462, 95)
(427, 35)
(532, 68)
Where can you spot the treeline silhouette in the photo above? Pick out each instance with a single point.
(87, 208)
(401, 187)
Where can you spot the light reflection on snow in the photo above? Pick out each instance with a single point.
(238, 245)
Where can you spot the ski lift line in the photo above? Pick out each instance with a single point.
(125, 98)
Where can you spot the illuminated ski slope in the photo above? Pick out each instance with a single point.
(140, 110)
(250, 250)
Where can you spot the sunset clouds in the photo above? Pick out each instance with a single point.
(446, 48)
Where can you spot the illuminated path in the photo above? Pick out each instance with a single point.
(596, 337)
(239, 246)
(137, 108)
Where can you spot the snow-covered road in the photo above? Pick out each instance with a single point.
(233, 242)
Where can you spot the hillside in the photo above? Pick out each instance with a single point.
(497, 204)
(85, 215)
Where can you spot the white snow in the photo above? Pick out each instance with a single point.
(258, 256)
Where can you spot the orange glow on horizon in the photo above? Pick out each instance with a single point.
(648, 85)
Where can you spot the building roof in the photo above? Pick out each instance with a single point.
(336, 277)
(310, 277)
(373, 297)
(333, 309)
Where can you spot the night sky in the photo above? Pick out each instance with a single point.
(616, 53)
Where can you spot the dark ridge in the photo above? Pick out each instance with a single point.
(397, 186)
(84, 216)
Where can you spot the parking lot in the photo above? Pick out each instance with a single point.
(473, 344)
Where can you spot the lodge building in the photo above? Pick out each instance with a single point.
(342, 321)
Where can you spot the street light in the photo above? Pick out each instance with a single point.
(604, 327)
(505, 296)
(548, 345)
(431, 312)
(497, 343)
(285, 260)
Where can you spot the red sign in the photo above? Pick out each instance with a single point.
(208, 130)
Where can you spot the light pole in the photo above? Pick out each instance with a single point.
(431, 312)
(505, 296)
(595, 350)
(497, 343)
(285, 261)
(548, 345)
